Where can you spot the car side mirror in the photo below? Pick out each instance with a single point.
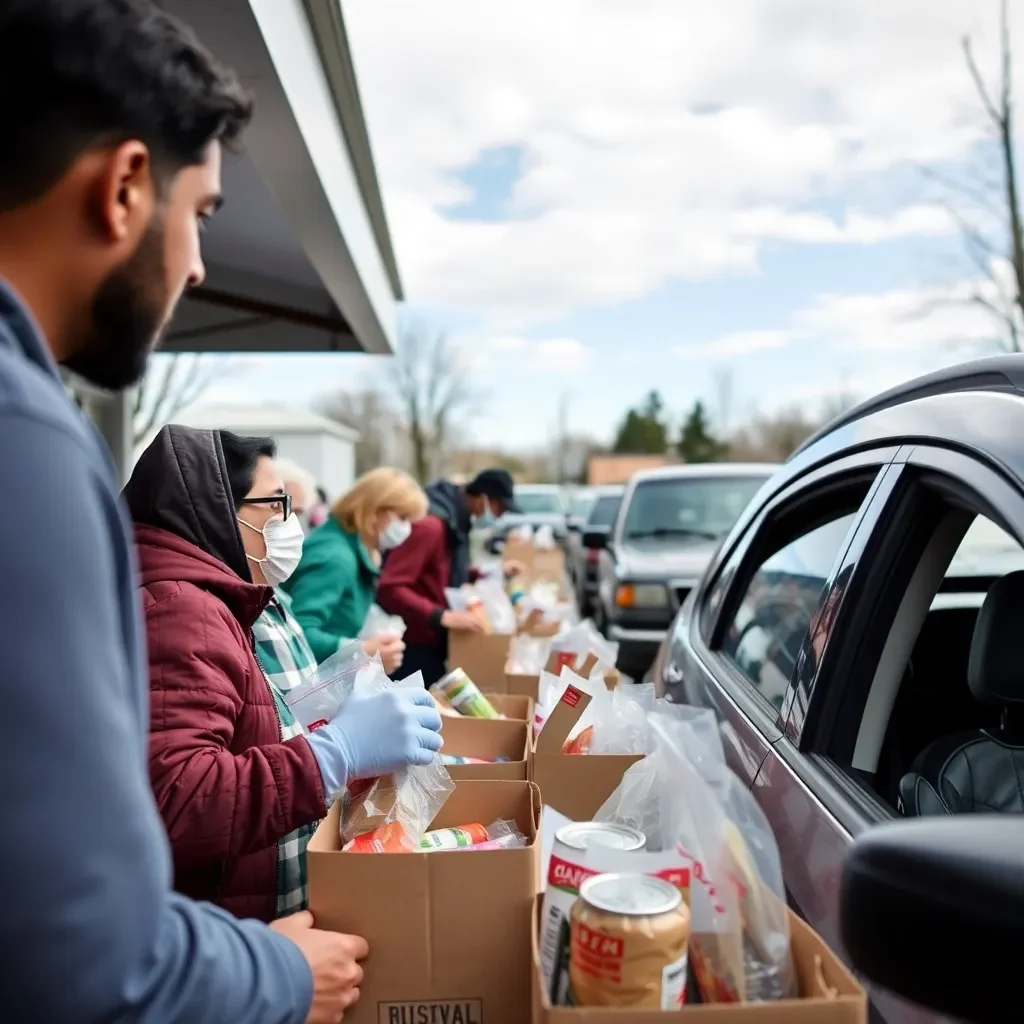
(595, 539)
(933, 910)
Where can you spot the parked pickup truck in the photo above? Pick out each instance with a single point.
(669, 525)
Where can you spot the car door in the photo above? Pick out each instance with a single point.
(734, 647)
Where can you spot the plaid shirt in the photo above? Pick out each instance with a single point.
(286, 659)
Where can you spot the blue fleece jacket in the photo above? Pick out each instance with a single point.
(89, 925)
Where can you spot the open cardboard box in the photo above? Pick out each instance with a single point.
(487, 737)
(449, 932)
(576, 785)
(829, 993)
(481, 656)
(515, 706)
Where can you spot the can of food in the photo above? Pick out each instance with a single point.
(566, 870)
(628, 943)
(464, 695)
(455, 837)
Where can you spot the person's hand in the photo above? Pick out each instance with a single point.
(376, 735)
(333, 959)
(463, 622)
(391, 649)
(513, 568)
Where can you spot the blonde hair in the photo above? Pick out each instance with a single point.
(383, 488)
(292, 473)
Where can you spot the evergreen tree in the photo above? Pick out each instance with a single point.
(643, 431)
(696, 442)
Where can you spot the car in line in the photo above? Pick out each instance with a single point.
(581, 501)
(539, 505)
(857, 632)
(582, 561)
(667, 527)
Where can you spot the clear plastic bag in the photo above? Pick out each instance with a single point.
(315, 701)
(379, 623)
(527, 655)
(390, 813)
(692, 807)
(544, 538)
(496, 605)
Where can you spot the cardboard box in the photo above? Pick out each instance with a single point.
(829, 993)
(516, 706)
(449, 933)
(574, 784)
(547, 565)
(487, 737)
(481, 656)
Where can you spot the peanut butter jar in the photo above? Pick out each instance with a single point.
(628, 946)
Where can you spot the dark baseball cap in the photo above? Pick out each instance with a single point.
(496, 484)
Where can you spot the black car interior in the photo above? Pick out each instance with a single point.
(980, 770)
(955, 740)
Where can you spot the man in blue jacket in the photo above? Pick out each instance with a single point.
(109, 163)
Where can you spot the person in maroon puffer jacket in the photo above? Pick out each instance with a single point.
(237, 790)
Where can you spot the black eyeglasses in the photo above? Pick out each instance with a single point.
(277, 503)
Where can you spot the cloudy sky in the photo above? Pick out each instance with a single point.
(598, 197)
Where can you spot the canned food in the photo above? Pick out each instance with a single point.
(455, 837)
(464, 695)
(565, 872)
(628, 944)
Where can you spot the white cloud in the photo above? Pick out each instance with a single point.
(738, 343)
(546, 355)
(660, 140)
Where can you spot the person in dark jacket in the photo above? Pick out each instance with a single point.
(215, 533)
(435, 556)
(114, 118)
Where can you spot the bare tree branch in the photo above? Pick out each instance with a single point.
(433, 390)
(163, 393)
(989, 246)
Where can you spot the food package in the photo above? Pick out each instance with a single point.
(486, 598)
(379, 623)
(614, 722)
(501, 835)
(315, 700)
(702, 824)
(463, 695)
(390, 813)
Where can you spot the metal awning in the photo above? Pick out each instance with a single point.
(300, 258)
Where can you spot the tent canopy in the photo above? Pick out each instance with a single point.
(300, 258)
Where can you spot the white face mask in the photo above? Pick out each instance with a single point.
(395, 533)
(283, 538)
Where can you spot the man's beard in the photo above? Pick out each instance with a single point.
(127, 315)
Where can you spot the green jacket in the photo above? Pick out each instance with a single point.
(333, 588)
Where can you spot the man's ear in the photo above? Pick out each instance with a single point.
(125, 192)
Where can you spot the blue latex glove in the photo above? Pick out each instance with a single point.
(376, 735)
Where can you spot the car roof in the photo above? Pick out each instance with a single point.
(609, 490)
(1002, 374)
(705, 469)
(543, 488)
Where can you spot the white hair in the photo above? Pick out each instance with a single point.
(292, 473)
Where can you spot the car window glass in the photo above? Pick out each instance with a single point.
(766, 633)
(701, 507)
(538, 503)
(605, 510)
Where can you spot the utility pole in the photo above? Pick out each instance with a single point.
(562, 437)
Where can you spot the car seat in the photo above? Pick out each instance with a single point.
(981, 771)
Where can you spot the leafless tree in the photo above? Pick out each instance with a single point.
(433, 390)
(171, 386)
(372, 413)
(987, 209)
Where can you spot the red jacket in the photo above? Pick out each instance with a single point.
(412, 581)
(227, 787)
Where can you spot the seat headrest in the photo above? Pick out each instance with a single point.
(995, 672)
